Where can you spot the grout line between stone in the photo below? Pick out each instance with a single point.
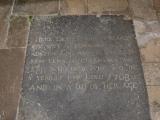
(20, 95)
(151, 62)
(87, 7)
(7, 32)
(13, 7)
(153, 85)
(59, 7)
(12, 48)
(8, 26)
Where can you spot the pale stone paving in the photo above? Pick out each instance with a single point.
(5, 10)
(145, 14)
(147, 28)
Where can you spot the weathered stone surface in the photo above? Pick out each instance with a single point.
(157, 4)
(106, 6)
(11, 68)
(73, 7)
(152, 73)
(151, 51)
(36, 7)
(158, 14)
(154, 100)
(148, 38)
(5, 6)
(18, 32)
(143, 9)
(85, 68)
(152, 76)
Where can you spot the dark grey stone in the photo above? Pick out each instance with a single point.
(83, 68)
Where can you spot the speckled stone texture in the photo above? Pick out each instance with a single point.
(85, 68)
(145, 14)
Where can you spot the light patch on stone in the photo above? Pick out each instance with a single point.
(146, 31)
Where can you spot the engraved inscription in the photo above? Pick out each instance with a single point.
(83, 68)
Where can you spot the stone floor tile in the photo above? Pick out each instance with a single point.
(158, 15)
(157, 4)
(154, 101)
(151, 51)
(146, 31)
(18, 32)
(142, 9)
(73, 7)
(5, 8)
(105, 6)
(148, 39)
(152, 73)
(70, 39)
(11, 68)
(36, 7)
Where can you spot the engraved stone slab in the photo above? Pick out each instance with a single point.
(83, 68)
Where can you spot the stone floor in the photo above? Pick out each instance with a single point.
(15, 18)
